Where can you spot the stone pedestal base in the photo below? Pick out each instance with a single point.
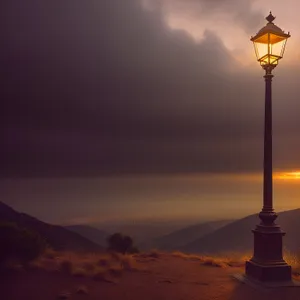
(267, 263)
(267, 285)
(269, 273)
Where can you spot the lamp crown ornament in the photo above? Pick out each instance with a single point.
(270, 18)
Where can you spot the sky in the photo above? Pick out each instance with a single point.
(109, 87)
(159, 104)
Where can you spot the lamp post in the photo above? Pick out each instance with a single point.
(267, 263)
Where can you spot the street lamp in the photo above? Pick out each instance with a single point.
(267, 263)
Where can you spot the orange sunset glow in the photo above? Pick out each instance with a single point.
(295, 175)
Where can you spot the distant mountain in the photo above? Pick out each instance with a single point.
(57, 237)
(179, 238)
(93, 234)
(142, 231)
(237, 236)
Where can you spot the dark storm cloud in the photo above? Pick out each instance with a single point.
(100, 87)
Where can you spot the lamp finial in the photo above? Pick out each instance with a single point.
(270, 18)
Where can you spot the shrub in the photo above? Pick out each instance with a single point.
(121, 243)
(20, 245)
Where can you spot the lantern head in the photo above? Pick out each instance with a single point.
(269, 43)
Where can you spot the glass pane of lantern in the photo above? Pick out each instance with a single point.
(264, 60)
(276, 49)
(269, 60)
(260, 50)
(273, 59)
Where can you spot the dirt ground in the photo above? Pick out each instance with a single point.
(160, 278)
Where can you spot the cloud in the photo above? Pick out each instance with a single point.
(241, 13)
(106, 87)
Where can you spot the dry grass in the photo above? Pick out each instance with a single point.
(50, 253)
(82, 290)
(235, 259)
(224, 260)
(80, 272)
(292, 259)
(129, 263)
(152, 254)
(66, 266)
(89, 267)
(103, 262)
(64, 295)
(105, 266)
(100, 274)
(97, 266)
(115, 270)
(182, 255)
(214, 262)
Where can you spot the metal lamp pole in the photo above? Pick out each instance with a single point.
(267, 263)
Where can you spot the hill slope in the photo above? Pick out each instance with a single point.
(179, 238)
(57, 237)
(237, 236)
(93, 234)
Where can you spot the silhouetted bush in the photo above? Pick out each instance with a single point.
(121, 243)
(19, 245)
